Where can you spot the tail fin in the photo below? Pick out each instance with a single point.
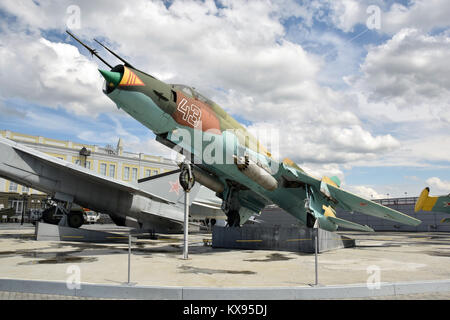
(425, 202)
(167, 186)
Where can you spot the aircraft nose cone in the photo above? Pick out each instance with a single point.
(112, 78)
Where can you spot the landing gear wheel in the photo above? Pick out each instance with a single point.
(118, 220)
(75, 219)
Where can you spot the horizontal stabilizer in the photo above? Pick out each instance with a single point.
(167, 185)
(337, 197)
(351, 202)
(350, 225)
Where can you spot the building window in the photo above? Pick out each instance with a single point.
(103, 169)
(25, 189)
(155, 172)
(148, 173)
(12, 187)
(87, 163)
(18, 205)
(134, 174)
(126, 173)
(112, 170)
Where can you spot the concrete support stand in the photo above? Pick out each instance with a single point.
(296, 239)
(51, 232)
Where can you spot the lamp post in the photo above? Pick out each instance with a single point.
(84, 153)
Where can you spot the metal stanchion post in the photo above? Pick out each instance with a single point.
(316, 251)
(129, 283)
(316, 236)
(129, 256)
(186, 225)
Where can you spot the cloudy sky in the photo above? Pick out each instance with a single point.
(357, 89)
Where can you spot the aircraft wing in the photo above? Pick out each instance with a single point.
(163, 188)
(78, 171)
(429, 203)
(336, 197)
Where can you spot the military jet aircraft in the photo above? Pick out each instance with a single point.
(248, 178)
(153, 204)
(430, 203)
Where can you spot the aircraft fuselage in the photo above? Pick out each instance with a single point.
(201, 128)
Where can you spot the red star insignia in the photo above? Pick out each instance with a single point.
(446, 204)
(175, 187)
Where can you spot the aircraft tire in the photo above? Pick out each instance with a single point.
(119, 221)
(75, 219)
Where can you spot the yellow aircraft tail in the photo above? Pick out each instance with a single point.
(425, 202)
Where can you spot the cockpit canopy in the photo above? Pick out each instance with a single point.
(189, 91)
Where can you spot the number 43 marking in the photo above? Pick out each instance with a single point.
(191, 114)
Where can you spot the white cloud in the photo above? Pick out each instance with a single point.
(409, 70)
(440, 186)
(260, 75)
(49, 73)
(425, 15)
(348, 13)
(403, 87)
(320, 170)
(366, 192)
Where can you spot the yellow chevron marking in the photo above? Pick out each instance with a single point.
(130, 79)
(328, 211)
(292, 164)
(329, 181)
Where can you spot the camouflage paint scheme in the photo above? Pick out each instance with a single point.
(164, 108)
